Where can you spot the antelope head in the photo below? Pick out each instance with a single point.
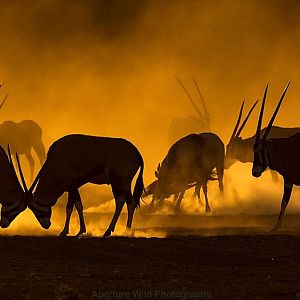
(233, 144)
(41, 212)
(12, 196)
(261, 161)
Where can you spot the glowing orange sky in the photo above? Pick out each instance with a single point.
(107, 67)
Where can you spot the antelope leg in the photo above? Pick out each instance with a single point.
(284, 202)
(130, 211)
(120, 201)
(79, 208)
(179, 199)
(69, 210)
(207, 207)
(220, 174)
(197, 192)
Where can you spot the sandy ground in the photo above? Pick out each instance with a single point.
(231, 257)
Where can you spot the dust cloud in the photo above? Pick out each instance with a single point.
(108, 68)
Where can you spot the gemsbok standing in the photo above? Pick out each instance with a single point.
(75, 160)
(22, 137)
(278, 154)
(239, 149)
(191, 160)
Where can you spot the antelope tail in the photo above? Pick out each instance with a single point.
(139, 186)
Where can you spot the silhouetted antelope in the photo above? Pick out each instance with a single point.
(75, 160)
(22, 136)
(183, 126)
(190, 160)
(279, 154)
(239, 149)
(12, 196)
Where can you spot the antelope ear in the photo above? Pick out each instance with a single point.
(158, 167)
(156, 174)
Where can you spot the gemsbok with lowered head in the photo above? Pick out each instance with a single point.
(75, 160)
(278, 154)
(190, 161)
(239, 149)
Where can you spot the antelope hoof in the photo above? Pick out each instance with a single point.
(129, 232)
(64, 233)
(275, 228)
(107, 233)
(201, 203)
(81, 232)
(177, 208)
(207, 210)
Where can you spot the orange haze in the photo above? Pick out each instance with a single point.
(108, 68)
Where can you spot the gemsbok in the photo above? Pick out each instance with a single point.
(183, 126)
(278, 154)
(191, 160)
(239, 149)
(75, 160)
(22, 137)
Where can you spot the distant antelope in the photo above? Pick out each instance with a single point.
(190, 160)
(183, 126)
(75, 160)
(279, 154)
(239, 149)
(12, 196)
(22, 136)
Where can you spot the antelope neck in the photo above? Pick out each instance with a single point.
(268, 147)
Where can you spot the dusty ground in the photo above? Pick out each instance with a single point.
(241, 261)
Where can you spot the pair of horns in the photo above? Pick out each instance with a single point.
(19, 167)
(237, 131)
(26, 190)
(259, 123)
(206, 114)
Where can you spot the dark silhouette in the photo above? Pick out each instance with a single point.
(279, 154)
(22, 136)
(150, 190)
(12, 196)
(190, 160)
(75, 160)
(183, 126)
(239, 149)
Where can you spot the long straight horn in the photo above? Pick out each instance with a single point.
(190, 98)
(267, 131)
(202, 99)
(261, 114)
(246, 119)
(237, 123)
(3, 101)
(9, 156)
(21, 174)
